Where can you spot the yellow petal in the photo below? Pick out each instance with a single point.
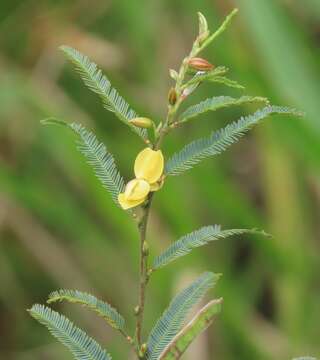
(157, 185)
(127, 204)
(136, 189)
(149, 165)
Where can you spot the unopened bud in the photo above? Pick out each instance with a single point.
(136, 310)
(130, 340)
(200, 64)
(174, 125)
(173, 74)
(172, 96)
(141, 122)
(145, 248)
(150, 271)
(203, 28)
(143, 349)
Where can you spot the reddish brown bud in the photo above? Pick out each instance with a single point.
(172, 96)
(200, 64)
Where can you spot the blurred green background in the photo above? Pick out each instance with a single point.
(58, 227)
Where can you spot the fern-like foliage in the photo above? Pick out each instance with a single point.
(76, 340)
(202, 76)
(99, 83)
(201, 321)
(219, 140)
(227, 82)
(216, 76)
(97, 156)
(102, 308)
(174, 317)
(197, 238)
(216, 103)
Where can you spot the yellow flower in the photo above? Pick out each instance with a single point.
(149, 165)
(135, 193)
(148, 169)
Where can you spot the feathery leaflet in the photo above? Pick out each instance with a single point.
(201, 76)
(219, 140)
(227, 82)
(174, 317)
(97, 156)
(200, 322)
(218, 102)
(99, 83)
(76, 340)
(197, 238)
(102, 308)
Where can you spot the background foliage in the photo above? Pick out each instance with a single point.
(58, 227)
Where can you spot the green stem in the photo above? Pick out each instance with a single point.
(143, 222)
(142, 225)
(160, 132)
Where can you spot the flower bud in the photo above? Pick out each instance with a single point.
(150, 271)
(145, 248)
(136, 310)
(143, 349)
(203, 28)
(141, 122)
(200, 64)
(173, 74)
(172, 96)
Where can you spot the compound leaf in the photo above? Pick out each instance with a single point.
(102, 308)
(220, 140)
(97, 156)
(202, 320)
(174, 317)
(226, 81)
(100, 84)
(218, 102)
(197, 238)
(76, 340)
